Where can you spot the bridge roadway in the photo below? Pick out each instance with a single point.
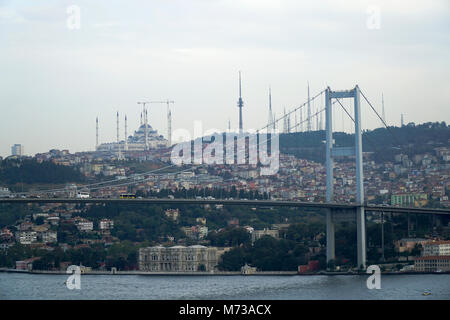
(259, 203)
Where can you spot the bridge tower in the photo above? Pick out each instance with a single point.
(356, 151)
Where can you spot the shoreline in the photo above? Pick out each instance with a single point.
(216, 273)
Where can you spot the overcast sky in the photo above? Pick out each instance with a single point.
(56, 80)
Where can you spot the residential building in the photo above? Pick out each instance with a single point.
(4, 192)
(17, 150)
(432, 264)
(201, 220)
(26, 265)
(436, 248)
(247, 269)
(26, 237)
(49, 236)
(407, 244)
(84, 224)
(409, 200)
(106, 224)
(195, 232)
(172, 214)
(258, 234)
(5, 234)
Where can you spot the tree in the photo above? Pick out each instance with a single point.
(233, 260)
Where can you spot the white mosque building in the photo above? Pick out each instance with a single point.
(135, 142)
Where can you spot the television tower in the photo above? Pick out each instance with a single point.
(240, 105)
(96, 133)
(269, 123)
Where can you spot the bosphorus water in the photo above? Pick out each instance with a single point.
(99, 287)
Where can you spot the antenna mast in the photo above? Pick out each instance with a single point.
(96, 134)
(240, 105)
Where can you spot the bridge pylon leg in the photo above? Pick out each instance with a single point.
(331, 254)
(361, 236)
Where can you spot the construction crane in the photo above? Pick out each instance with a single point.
(169, 118)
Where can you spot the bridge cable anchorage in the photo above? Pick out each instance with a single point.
(89, 186)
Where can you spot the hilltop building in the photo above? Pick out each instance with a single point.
(17, 150)
(136, 142)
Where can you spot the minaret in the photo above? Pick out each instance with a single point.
(269, 123)
(118, 138)
(117, 126)
(96, 133)
(169, 127)
(309, 112)
(126, 135)
(229, 125)
(240, 105)
(145, 128)
(144, 122)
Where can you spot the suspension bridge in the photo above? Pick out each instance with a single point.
(334, 211)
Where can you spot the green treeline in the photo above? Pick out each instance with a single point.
(122, 255)
(138, 226)
(28, 171)
(384, 143)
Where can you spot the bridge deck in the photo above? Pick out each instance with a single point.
(259, 203)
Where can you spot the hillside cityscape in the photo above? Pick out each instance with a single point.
(101, 237)
(230, 156)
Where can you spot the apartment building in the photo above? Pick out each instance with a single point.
(436, 248)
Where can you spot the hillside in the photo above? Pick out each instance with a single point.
(385, 144)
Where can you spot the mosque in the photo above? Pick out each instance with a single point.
(135, 142)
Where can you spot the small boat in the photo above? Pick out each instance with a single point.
(426, 293)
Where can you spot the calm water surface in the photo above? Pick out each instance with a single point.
(35, 286)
